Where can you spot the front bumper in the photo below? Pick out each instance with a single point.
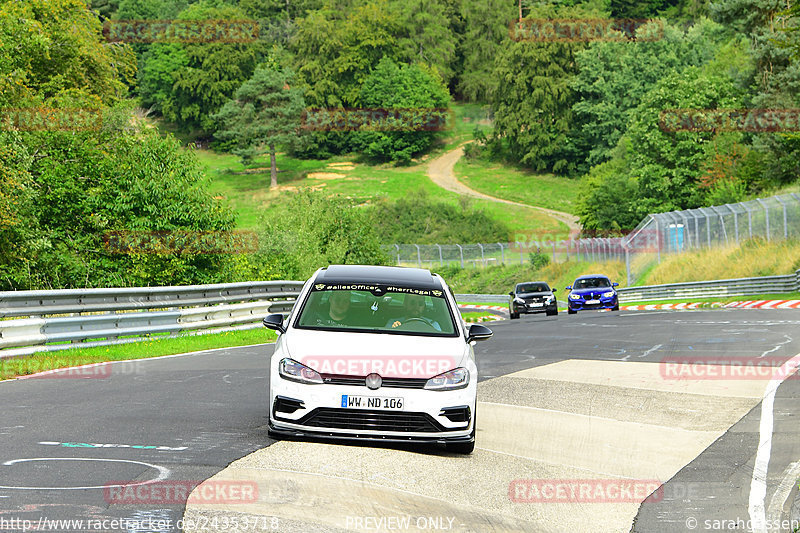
(427, 416)
(532, 308)
(582, 305)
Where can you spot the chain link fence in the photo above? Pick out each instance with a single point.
(774, 218)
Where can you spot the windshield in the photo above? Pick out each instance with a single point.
(532, 287)
(380, 310)
(591, 283)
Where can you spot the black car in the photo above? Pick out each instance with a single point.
(532, 297)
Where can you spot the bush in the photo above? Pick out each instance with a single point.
(538, 259)
(417, 219)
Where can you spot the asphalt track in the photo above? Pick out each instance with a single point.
(562, 399)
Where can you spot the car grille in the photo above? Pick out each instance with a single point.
(394, 383)
(363, 420)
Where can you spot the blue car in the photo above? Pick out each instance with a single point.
(594, 291)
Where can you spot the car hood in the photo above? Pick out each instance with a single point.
(532, 294)
(358, 354)
(597, 290)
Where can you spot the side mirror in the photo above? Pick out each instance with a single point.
(553, 289)
(615, 284)
(478, 332)
(274, 321)
(511, 294)
(568, 288)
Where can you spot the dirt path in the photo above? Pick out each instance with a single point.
(440, 170)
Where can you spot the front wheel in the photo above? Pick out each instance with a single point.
(615, 308)
(513, 315)
(551, 313)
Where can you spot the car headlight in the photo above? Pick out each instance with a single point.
(519, 300)
(458, 378)
(574, 296)
(609, 294)
(548, 299)
(294, 371)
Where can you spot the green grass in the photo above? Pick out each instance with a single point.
(249, 195)
(31, 364)
(539, 190)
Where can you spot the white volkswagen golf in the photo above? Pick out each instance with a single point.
(377, 353)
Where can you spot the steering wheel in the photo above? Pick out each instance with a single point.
(408, 320)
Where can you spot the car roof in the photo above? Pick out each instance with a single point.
(531, 282)
(402, 276)
(589, 276)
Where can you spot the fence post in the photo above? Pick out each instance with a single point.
(785, 223)
(628, 265)
(502, 253)
(554, 250)
(483, 258)
(461, 251)
(398, 253)
(766, 215)
(521, 258)
(441, 261)
(419, 257)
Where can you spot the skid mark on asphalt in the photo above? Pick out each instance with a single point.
(572, 420)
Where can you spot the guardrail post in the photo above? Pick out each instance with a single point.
(461, 252)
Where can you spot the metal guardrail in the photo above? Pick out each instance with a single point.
(717, 288)
(97, 317)
(720, 288)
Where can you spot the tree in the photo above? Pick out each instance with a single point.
(532, 105)
(419, 93)
(212, 73)
(613, 77)
(264, 112)
(667, 164)
(485, 30)
(427, 37)
(325, 230)
(49, 46)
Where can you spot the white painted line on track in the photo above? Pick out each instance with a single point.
(28, 376)
(758, 482)
(163, 473)
(790, 475)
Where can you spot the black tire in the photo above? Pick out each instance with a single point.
(615, 308)
(571, 311)
(513, 316)
(551, 313)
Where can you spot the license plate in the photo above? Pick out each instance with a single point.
(592, 301)
(371, 402)
(537, 304)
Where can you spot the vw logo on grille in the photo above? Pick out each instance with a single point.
(373, 381)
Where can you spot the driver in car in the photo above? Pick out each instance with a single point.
(338, 310)
(413, 307)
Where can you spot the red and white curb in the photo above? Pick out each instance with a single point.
(751, 304)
